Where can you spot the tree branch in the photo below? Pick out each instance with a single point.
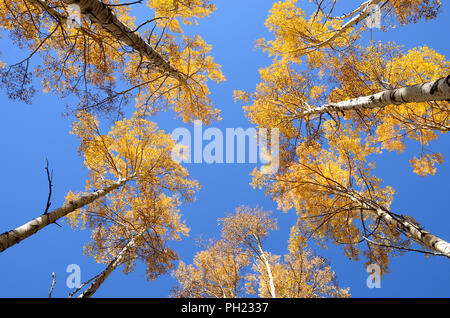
(52, 286)
(437, 90)
(102, 15)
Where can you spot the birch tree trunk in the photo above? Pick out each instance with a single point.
(102, 15)
(109, 269)
(414, 231)
(437, 90)
(267, 265)
(17, 235)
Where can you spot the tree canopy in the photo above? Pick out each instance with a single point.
(337, 98)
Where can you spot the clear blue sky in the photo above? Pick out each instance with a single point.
(31, 133)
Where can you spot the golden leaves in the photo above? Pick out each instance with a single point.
(425, 165)
(408, 11)
(327, 167)
(234, 265)
(136, 151)
(217, 271)
(246, 224)
(87, 61)
(186, 10)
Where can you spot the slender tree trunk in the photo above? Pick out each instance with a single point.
(17, 235)
(437, 90)
(102, 15)
(267, 265)
(414, 231)
(109, 269)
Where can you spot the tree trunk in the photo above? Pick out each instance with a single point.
(102, 15)
(17, 235)
(264, 259)
(437, 90)
(412, 230)
(109, 269)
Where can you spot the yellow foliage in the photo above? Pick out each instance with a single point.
(233, 266)
(186, 10)
(426, 164)
(408, 11)
(87, 61)
(135, 151)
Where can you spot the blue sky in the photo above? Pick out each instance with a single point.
(32, 133)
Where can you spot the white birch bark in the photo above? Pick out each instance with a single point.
(364, 10)
(414, 231)
(264, 259)
(20, 233)
(109, 269)
(102, 15)
(437, 90)
(351, 14)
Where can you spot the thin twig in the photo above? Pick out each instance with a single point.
(404, 248)
(122, 4)
(53, 285)
(50, 186)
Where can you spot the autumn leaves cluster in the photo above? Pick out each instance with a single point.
(315, 92)
(238, 265)
(327, 148)
(134, 188)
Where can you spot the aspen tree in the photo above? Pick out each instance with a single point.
(339, 100)
(238, 265)
(154, 63)
(132, 161)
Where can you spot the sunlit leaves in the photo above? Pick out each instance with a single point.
(135, 151)
(233, 266)
(187, 11)
(327, 166)
(190, 101)
(90, 63)
(408, 11)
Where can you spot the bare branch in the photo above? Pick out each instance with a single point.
(53, 285)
